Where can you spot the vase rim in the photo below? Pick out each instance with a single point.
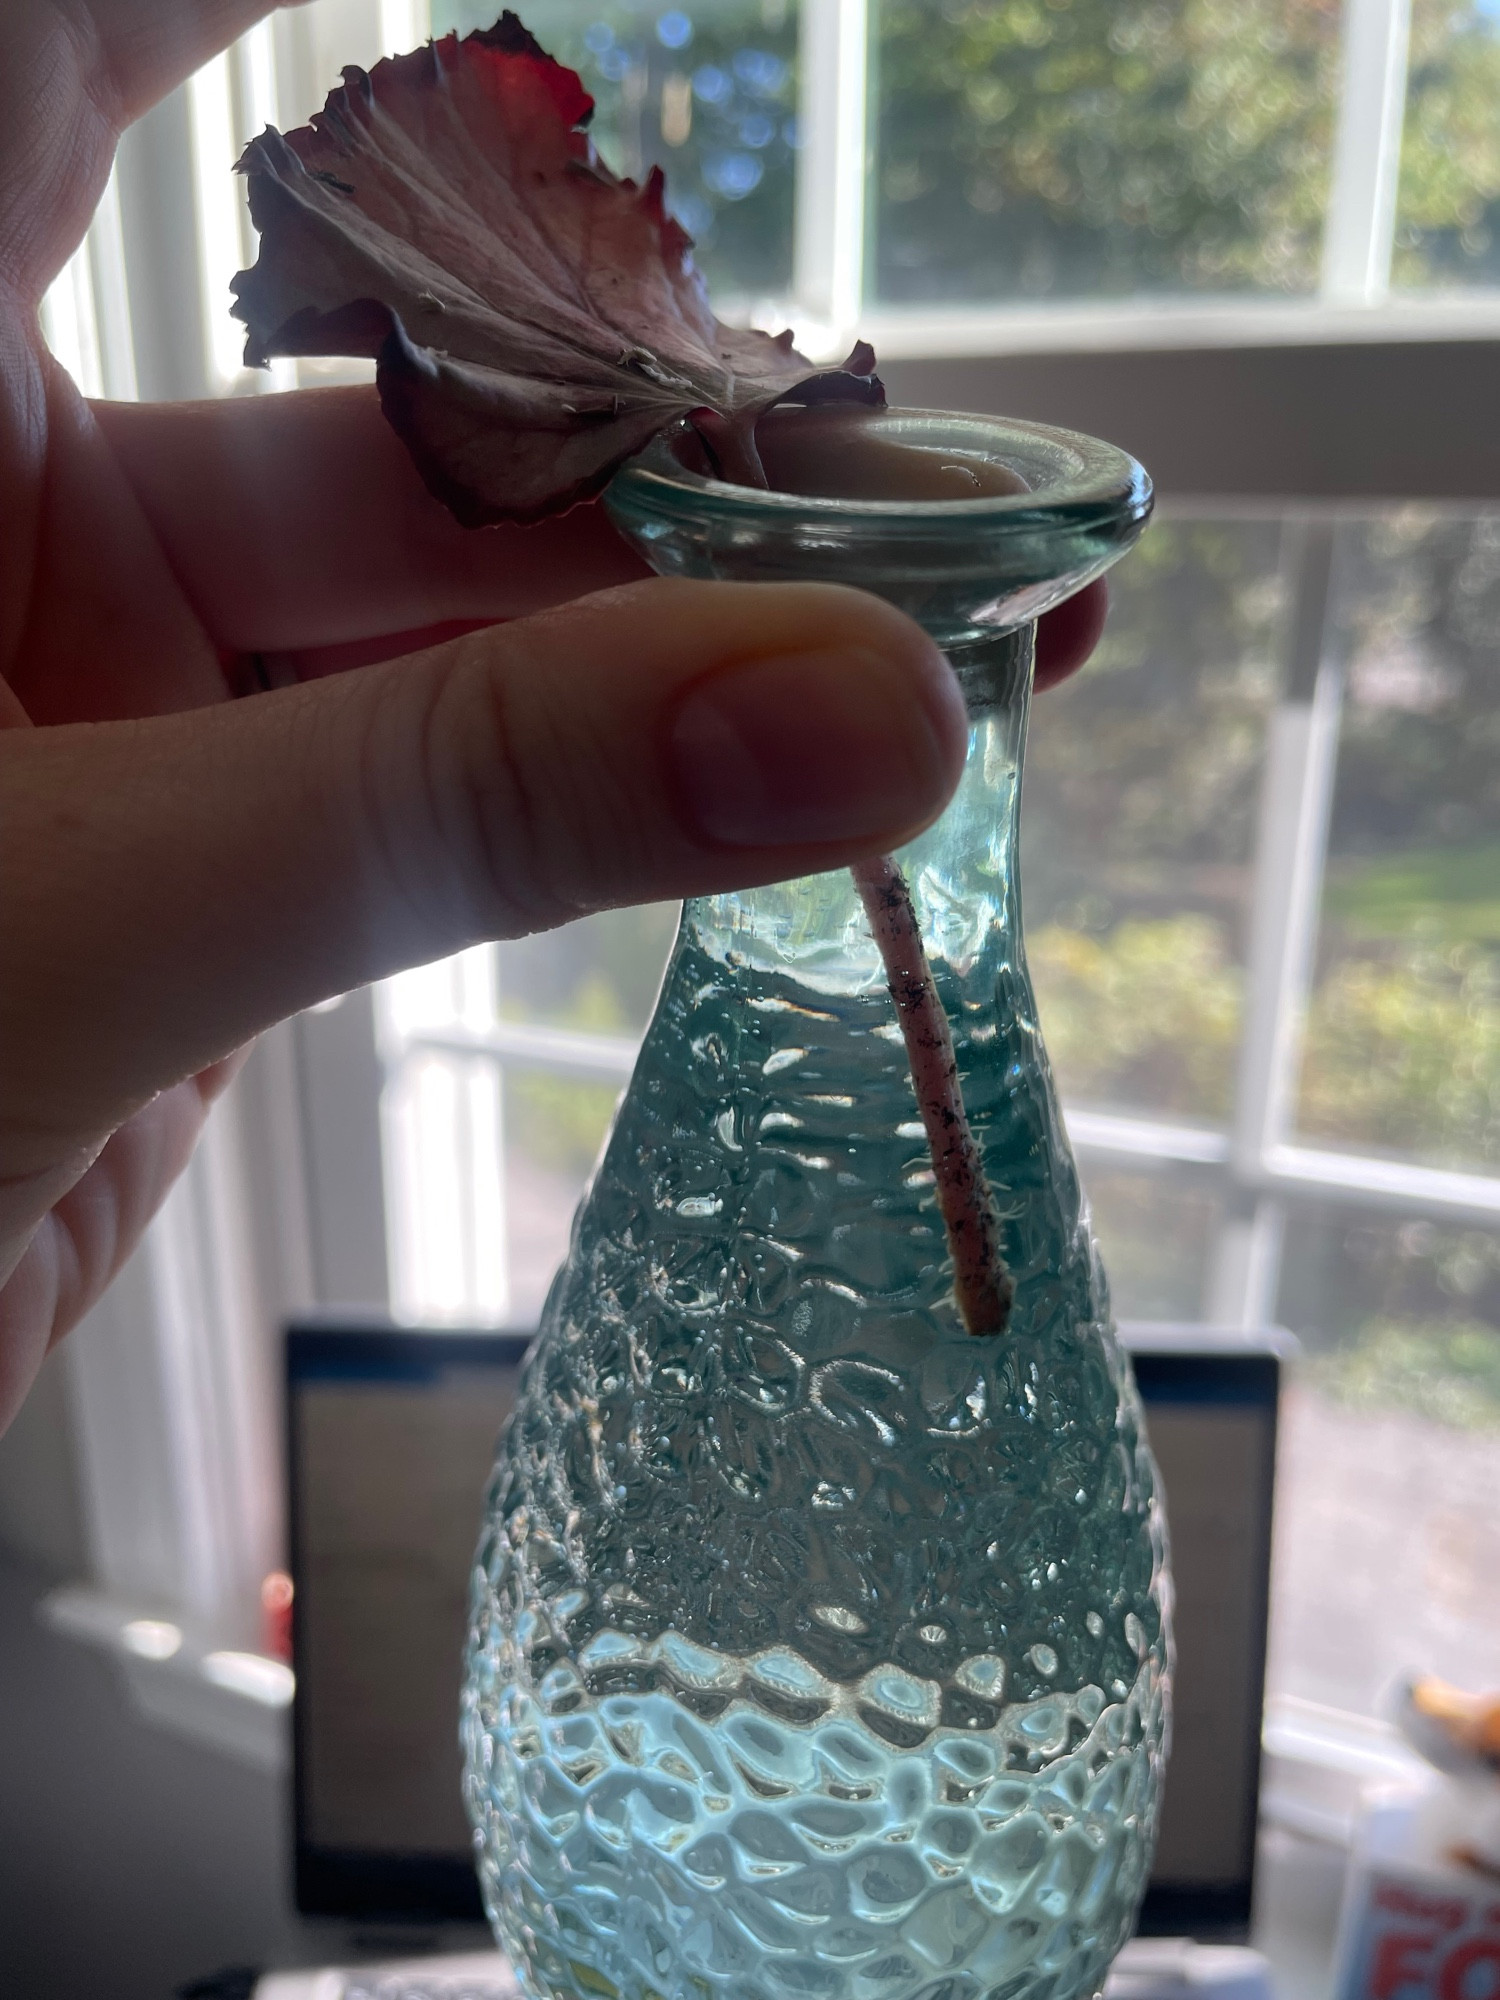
(1072, 480)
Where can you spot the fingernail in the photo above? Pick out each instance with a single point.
(816, 747)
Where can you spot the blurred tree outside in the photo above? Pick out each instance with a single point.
(1448, 202)
(708, 93)
(1156, 1232)
(557, 1123)
(1403, 1055)
(1078, 148)
(1149, 1015)
(1402, 1051)
(1138, 820)
(1029, 149)
(600, 974)
(1396, 1314)
(1140, 797)
(1446, 1371)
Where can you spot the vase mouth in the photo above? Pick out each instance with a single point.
(1070, 480)
(968, 570)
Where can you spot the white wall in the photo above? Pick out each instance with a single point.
(41, 1510)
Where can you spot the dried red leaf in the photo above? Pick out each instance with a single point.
(534, 319)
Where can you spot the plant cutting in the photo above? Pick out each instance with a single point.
(534, 321)
(819, 1647)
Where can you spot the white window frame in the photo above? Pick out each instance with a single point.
(1319, 406)
(173, 1378)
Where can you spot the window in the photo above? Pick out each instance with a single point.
(1448, 193)
(1293, 942)
(172, 1379)
(859, 154)
(709, 92)
(1260, 860)
(1101, 150)
(1255, 242)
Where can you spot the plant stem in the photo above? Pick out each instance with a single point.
(731, 444)
(981, 1282)
(982, 1285)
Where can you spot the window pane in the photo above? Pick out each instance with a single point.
(1091, 148)
(441, 1124)
(1142, 778)
(1156, 1233)
(1388, 1538)
(485, 1158)
(1402, 1048)
(1448, 205)
(709, 93)
(554, 1127)
(600, 974)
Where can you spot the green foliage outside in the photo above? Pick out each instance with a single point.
(555, 1122)
(1156, 1233)
(601, 975)
(1142, 773)
(708, 93)
(1419, 743)
(1402, 1051)
(1396, 1316)
(1447, 1371)
(1148, 1016)
(1448, 202)
(1138, 819)
(1402, 1054)
(1141, 792)
(1075, 148)
(1403, 1039)
(1446, 895)
(1030, 148)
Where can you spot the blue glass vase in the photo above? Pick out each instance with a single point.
(820, 1649)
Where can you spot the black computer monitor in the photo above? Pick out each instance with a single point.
(391, 1434)
(390, 1439)
(1211, 1413)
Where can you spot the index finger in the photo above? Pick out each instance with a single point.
(298, 525)
(299, 521)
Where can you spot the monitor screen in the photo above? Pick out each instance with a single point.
(1212, 1421)
(391, 1438)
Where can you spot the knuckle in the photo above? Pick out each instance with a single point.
(535, 803)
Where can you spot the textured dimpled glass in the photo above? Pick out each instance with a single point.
(820, 1648)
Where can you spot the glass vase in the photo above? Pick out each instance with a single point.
(820, 1649)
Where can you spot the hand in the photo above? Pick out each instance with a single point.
(179, 869)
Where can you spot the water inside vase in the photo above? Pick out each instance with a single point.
(819, 1646)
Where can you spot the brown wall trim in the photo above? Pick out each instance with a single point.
(1416, 420)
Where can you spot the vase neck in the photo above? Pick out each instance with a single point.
(995, 674)
(962, 870)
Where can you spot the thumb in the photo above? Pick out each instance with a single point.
(170, 886)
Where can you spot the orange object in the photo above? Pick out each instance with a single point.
(276, 1594)
(1472, 1720)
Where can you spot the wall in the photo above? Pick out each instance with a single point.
(130, 1862)
(41, 1509)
